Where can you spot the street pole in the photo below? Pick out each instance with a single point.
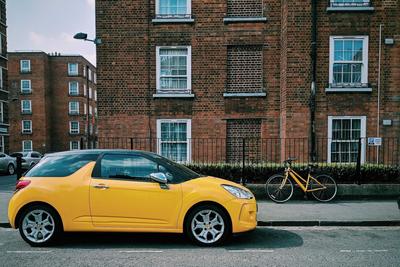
(87, 108)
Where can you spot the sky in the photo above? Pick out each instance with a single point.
(49, 26)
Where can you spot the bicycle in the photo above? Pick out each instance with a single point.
(279, 188)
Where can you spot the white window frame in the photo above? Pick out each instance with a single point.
(90, 92)
(84, 89)
(188, 135)
(364, 3)
(84, 71)
(30, 87)
(95, 95)
(70, 127)
(23, 146)
(90, 110)
(364, 66)
(26, 131)
(71, 111)
(188, 10)
(22, 70)
(24, 111)
(84, 108)
(89, 74)
(363, 133)
(71, 142)
(73, 73)
(188, 90)
(94, 77)
(69, 88)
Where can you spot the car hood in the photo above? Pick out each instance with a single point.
(219, 181)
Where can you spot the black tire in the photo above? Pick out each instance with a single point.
(327, 194)
(55, 219)
(273, 190)
(226, 231)
(11, 169)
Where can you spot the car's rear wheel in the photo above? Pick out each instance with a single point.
(11, 169)
(40, 226)
(208, 225)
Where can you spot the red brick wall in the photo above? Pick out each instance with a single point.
(127, 70)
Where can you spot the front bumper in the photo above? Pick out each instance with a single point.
(243, 214)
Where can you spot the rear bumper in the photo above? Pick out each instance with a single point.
(243, 214)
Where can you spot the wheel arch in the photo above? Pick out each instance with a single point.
(203, 203)
(39, 203)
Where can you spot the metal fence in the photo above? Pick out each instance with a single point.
(384, 151)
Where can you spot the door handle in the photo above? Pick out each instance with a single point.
(101, 186)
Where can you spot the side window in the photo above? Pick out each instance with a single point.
(2, 155)
(130, 167)
(35, 155)
(60, 165)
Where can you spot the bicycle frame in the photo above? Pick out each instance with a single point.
(303, 183)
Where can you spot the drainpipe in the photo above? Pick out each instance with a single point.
(313, 79)
(379, 91)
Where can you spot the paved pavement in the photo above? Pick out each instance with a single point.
(266, 246)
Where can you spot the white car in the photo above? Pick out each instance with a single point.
(29, 159)
(7, 164)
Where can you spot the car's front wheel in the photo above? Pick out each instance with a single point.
(208, 225)
(11, 169)
(40, 226)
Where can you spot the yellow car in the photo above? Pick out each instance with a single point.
(126, 191)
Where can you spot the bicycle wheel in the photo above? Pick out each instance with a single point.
(276, 190)
(324, 195)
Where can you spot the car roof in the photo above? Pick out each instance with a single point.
(100, 151)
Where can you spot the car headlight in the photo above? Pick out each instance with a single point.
(238, 192)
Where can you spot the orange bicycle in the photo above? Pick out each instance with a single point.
(279, 188)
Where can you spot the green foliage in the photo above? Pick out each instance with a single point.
(342, 173)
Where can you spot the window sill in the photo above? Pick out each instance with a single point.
(26, 113)
(227, 95)
(244, 19)
(172, 20)
(26, 93)
(163, 95)
(349, 90)
(73, 114)
(350, 9)
(25, 72)
(26, 133)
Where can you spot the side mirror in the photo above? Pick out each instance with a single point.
(159, 177)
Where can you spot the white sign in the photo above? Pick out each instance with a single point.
(374, 141)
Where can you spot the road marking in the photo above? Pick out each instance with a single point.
(251, 251)
(363, 250)
(29, 251)
(140, 251)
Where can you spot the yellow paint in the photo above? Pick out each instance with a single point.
(129, 206)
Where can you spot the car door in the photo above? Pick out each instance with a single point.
(35, 158)
(123, 196)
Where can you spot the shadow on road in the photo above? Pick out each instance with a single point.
(261, 238)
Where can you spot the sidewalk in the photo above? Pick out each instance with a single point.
(304, 213)
(336, 213)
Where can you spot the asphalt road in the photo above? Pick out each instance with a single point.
(7, 182)
(262, 247)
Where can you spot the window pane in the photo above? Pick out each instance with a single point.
(129, 167)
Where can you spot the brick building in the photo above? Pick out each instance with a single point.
(49, 101)
(184, 72)
(4, 121)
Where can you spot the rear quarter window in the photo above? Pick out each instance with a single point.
(60, 165)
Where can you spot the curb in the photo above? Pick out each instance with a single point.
(307, 223)
(329, 223)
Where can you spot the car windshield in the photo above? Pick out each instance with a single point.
(24, 154)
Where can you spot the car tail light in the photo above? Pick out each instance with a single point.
(22, 184)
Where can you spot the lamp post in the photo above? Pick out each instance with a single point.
(83, 36)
